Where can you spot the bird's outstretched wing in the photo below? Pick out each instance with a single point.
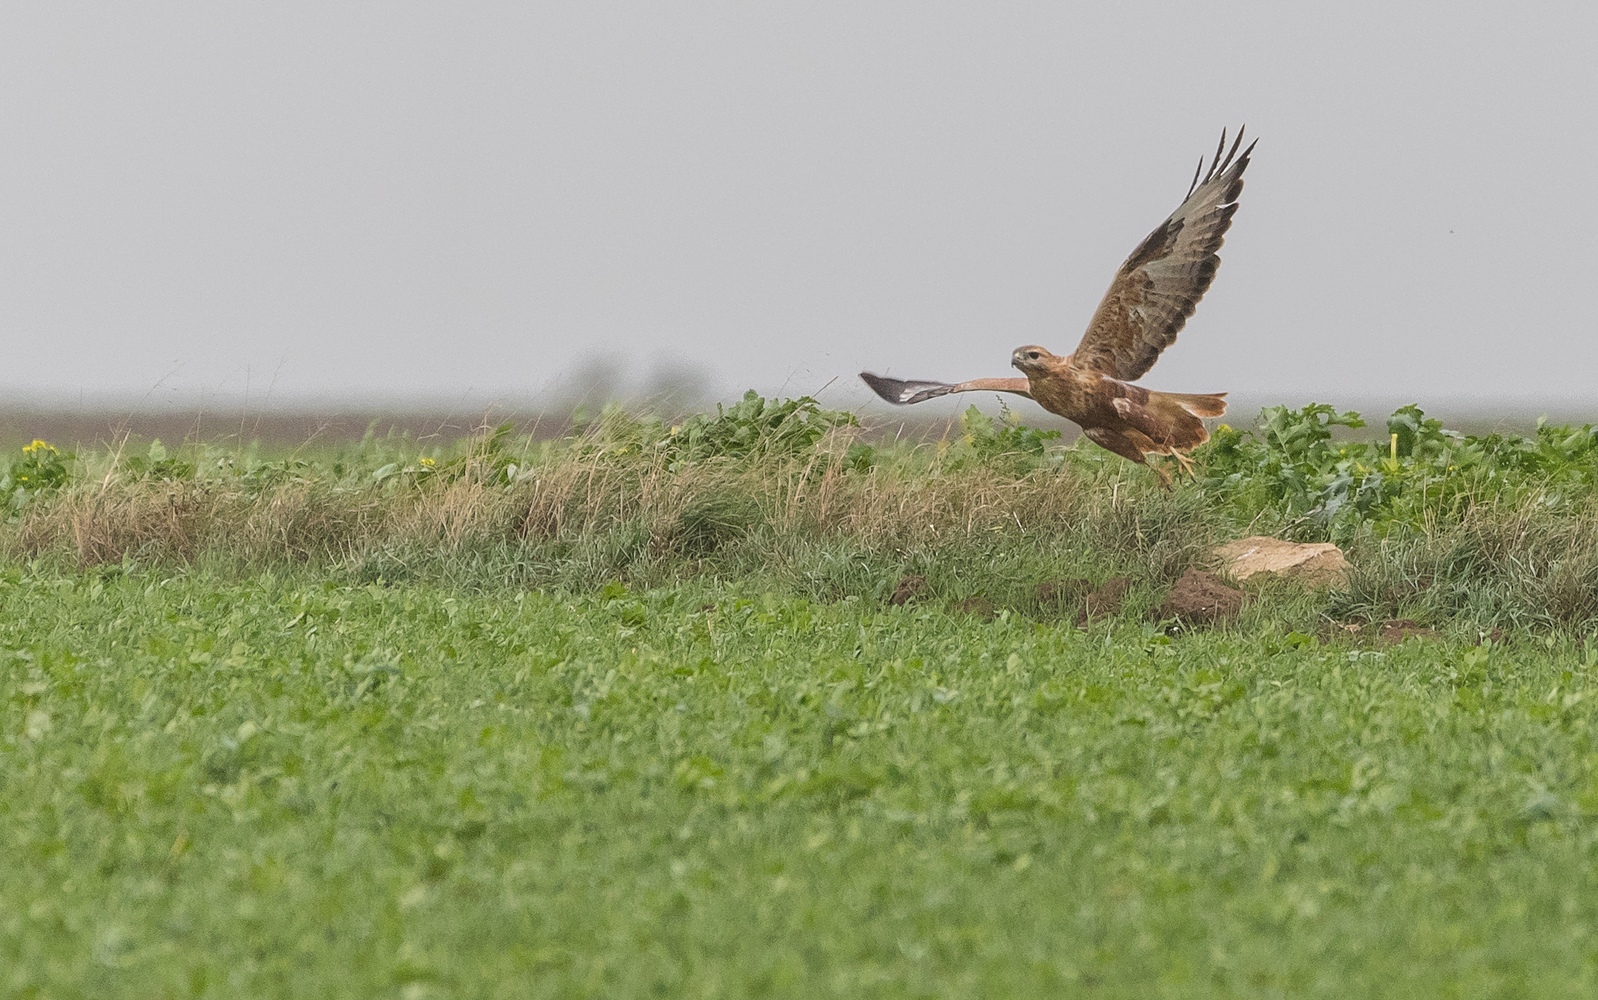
(1159, 286)
(900, 391)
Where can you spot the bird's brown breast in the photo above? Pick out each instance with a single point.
(1074, 393)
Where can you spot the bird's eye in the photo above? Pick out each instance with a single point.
(1032, 354)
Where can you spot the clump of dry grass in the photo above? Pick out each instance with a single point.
(823, 518)
(178, 522)
(650, 515)
(1505, 560)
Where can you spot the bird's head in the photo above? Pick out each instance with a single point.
(1031, 358)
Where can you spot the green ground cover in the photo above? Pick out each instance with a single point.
(283, 787)
(631, 714)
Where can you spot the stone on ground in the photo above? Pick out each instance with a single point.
(1313, 564)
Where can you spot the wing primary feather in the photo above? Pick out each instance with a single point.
(1196, 171)
(1234, 189)
(1233, 152)
(902, 392)
(1217, 161)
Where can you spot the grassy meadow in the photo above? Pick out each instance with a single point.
(649, 709)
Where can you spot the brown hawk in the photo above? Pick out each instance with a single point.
(1148, 303)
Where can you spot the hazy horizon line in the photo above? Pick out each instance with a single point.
(856, 395)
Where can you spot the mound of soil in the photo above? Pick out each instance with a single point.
(1077, 599)
(1064, 592)
(912, 587)
(1201, 598)
(978, 605)
(1106, 600)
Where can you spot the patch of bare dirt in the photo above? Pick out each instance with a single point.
(978, 605)
(912, 587)
(1392, 632)
(1064, 592)
(1201, 598)
(1342, 630)
(1104, 601)
(1402, 628)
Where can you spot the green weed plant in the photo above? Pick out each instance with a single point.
(1291, 467)
(41, 468)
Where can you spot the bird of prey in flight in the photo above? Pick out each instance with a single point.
(1148, 303)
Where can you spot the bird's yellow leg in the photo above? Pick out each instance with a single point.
(1186, 464)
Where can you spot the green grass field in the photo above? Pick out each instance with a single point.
(617, 717)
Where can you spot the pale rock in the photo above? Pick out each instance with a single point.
(1314, 564)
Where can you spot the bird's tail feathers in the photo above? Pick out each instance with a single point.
(1199, 404)
(1172, 419)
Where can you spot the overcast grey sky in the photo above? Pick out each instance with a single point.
(462, 202)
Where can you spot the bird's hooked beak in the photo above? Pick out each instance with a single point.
(1033, 359)
(1029, 358)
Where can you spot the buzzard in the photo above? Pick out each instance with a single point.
(1148, 303)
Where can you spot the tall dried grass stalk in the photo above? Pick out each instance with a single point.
(573, 497)
(579, 516)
